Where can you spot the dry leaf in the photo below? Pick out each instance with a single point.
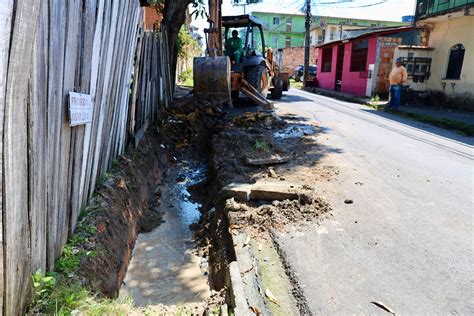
(255, 310)
(384, 307)
(122, 184)
(271, 297)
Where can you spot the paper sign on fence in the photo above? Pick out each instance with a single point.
(81, 109)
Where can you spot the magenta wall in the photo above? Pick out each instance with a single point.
(327, 80)
(351, 81)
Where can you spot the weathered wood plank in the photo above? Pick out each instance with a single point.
(6, 11)
(71, 52)
(99, 95)
(98, 150)
(37, 143)
(55, 107)
(95, 73)
(88, 22)
(16, 216)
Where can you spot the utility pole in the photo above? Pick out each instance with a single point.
(307, 43)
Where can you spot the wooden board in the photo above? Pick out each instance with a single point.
(55, 101)
(16, 226)
(6, 11)
(38, 145)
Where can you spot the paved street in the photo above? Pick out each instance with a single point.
(407, 240)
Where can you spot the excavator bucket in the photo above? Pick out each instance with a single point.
(212, 79)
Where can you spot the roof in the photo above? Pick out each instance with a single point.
(376, 32)
(240, 20)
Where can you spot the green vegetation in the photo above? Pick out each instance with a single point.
(186, 78)
(374, 101)
(59, 292)
(453, 125)
(103, 179)
(296, 85)
(262, 146)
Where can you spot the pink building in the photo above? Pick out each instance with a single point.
(360, 65)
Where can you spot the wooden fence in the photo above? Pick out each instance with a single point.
(49, 169)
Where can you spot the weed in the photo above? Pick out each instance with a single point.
(115, 163)
(262, 145)
(374, 101)
(69, 261)
(135, 156)
(43, 287)
(103, 179)
(83, 213)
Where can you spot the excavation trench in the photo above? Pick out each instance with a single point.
(165, 267)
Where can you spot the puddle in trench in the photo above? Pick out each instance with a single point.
(163, 268)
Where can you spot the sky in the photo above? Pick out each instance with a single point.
(390, 10)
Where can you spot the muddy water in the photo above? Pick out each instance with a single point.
(163, 269)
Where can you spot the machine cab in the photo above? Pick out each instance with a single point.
(250, 31)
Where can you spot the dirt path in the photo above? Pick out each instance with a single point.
(164, 268)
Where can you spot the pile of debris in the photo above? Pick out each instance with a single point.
(266, 205)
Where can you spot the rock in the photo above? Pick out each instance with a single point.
(348, 201)
(272, 173)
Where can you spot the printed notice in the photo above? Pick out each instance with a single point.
(80, 109)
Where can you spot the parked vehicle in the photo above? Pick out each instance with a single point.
(299, 73)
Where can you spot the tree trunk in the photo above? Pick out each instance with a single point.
(174, 16)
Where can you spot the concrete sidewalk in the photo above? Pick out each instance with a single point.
(435, 112)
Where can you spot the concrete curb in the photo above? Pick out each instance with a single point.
(237, 293)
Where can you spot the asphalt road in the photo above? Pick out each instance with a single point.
(407, 240)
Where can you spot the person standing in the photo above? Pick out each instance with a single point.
(397, 77)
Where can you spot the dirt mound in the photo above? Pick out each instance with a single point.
(277, 214)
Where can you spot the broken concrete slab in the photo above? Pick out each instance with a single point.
(265, 190)
(271, 191)
(239, 191)
(238, 297)
(274, 160)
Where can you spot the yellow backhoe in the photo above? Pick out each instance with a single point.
(255, 74)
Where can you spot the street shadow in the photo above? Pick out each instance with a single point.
(423, 127)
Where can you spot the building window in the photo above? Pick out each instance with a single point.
(326, 60)
(359, 55)
(456, 58)
(289, 22)
(320, 39)
(288, 41)
(276, 21)
(418, 68)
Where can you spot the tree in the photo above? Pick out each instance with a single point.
(174, 16)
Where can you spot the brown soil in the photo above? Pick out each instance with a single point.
(237, 142)
(122, 207)
(277, 214)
